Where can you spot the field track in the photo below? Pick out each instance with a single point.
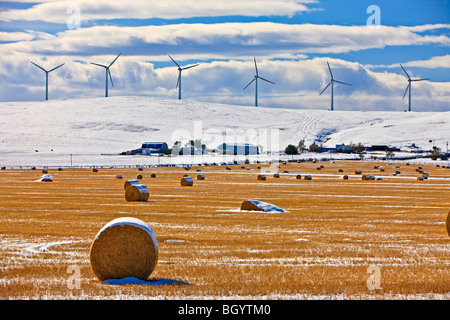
(334, 232)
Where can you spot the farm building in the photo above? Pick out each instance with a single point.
(153, 147)
(148, 148)
(238, 149)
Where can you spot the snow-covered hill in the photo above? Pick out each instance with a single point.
(111, 125)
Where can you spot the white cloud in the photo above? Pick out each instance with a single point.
(432, 63)
(223, 40)
(56, 11)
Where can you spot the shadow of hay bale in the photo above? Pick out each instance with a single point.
(148, 282)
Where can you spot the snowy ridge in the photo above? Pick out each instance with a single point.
(111, 125)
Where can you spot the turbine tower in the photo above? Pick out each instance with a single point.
(409, 87)
(256, 77)
(46, 76)
(107, 73)
(332, 81)
(179, 75)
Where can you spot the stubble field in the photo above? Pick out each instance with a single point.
(339, 239)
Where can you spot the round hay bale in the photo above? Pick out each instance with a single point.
(308, 177)
(130, 182)
(319, 168)
(187, 182)
(95, 170)
(358, 172)
(341, 170)
(137, 192)
(185, 175)
(228, 168)
(366, 177)
(397, 172)
(447, 223)
(261, 177)
(420, 178)
(44, 171)
(33, 168)
(119, 176)
(382, 170)
(286, 171)
(201, 177)
(299, 176)
(345, 177)
(141, 169)
(139, 176)
(153, 175)
(60, 169)
(276, 175)
(124, 247)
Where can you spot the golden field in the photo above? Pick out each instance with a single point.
(334, 233)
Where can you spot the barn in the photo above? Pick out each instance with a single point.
(149, 148)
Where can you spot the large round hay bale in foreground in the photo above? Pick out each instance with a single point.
(137, 192)
(187, 182)
(129, 183)
(124, 247)
(255, 205)
(447, 223)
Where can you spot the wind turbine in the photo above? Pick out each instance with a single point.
(256, 83)
(332, 81)
(46, 76)
(107, 73)
(409, 87)
(179, 75)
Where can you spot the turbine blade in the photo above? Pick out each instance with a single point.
(110, 77)
(342, 82)
(256, 66)
(174, 62)
(420, 79)
(325, 88)
(38, 66)
(57, 67)
(405, 72)
(249, 83)
(114, 60)
(189, 67)
(329, 68)
(100, 65)
(407, 87)
(265, 79)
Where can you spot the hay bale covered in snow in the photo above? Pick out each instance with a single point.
(255, 205)
(95, 170)
(129, 183)
(276, 175)
(119, 176)
(137, 192)
(124, 247)
(46, 178)
(187, 182)
(308, 177)
(261, 177)
(139, 176)
(345, 177)
(201, 177)
(299, 176)
(153, 175)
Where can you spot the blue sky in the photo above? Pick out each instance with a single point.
(292, 41)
